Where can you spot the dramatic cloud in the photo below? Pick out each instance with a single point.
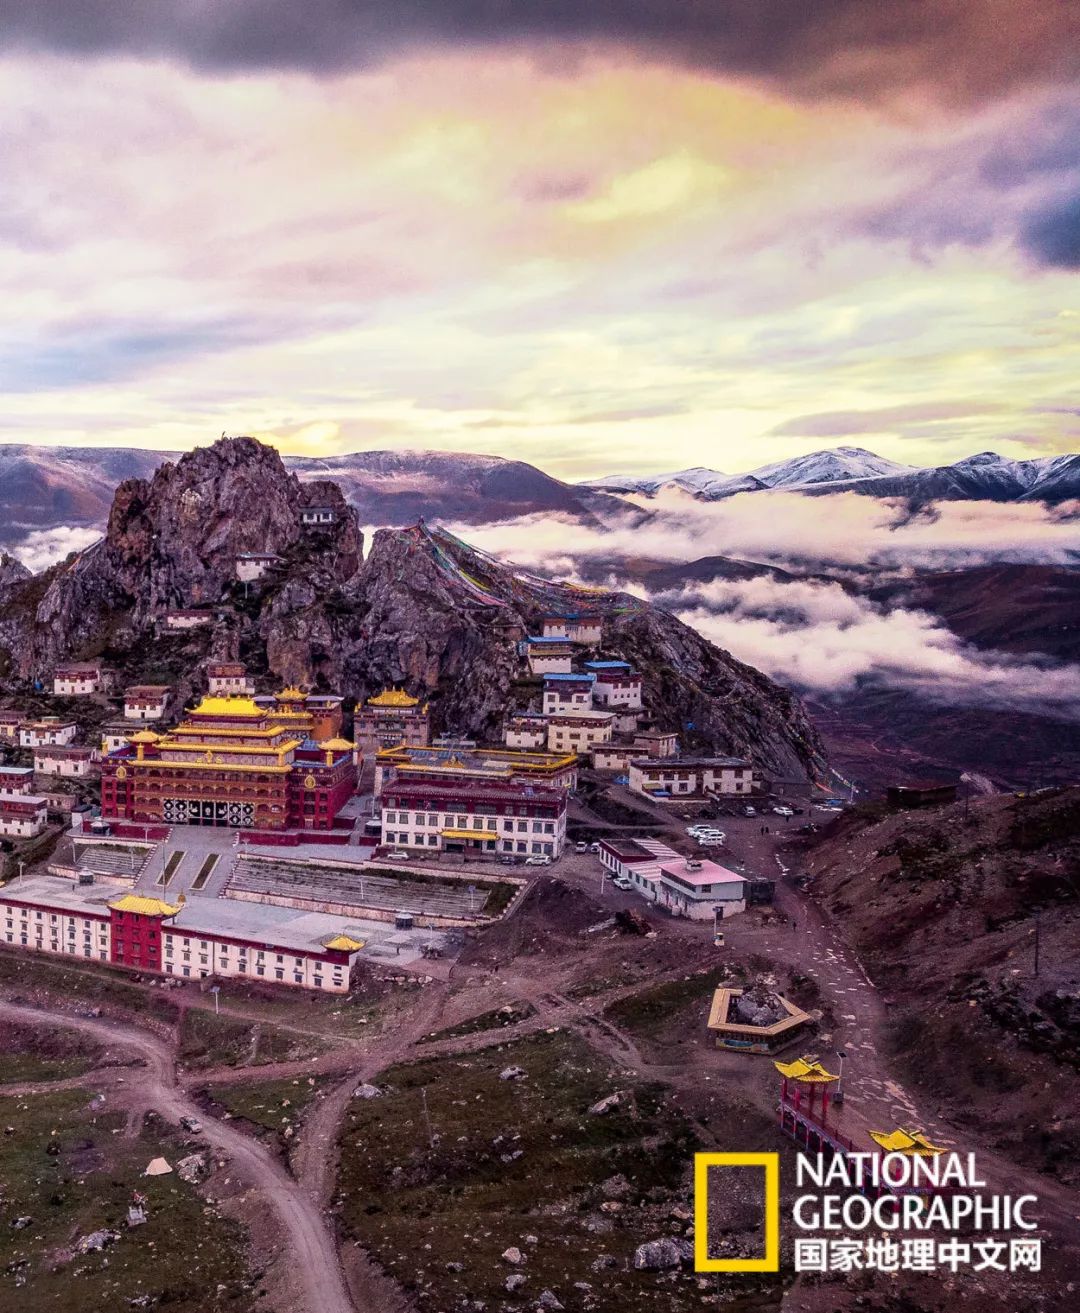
(817, 47)
(843, 531)
(821, 640)
(44, 547)
(1053, 237)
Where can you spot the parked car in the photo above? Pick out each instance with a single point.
(191, 1124)
(581, 847)
(783, 811)
(594, 847)
(749, 811)
(710, 843)
(398, 856)
(538, 861)
(621, 882)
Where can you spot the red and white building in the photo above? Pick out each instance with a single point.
(253, 565)
(694, 777)
(549, 656)
(182, 619)
(685, 886)
(10, 723)
(197, 940)
(617, 686)
(476, 819)
(16, 779)
(66, 760)
(226, 678)
(48, 732)
(573, 692)
(80, 679)
(145, 702)
(585, 629)
(526, 730)
(579, 731)
(22, 815)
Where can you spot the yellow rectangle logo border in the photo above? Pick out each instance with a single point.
(770, 1261)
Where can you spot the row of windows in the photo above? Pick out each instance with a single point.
(490, 845)
(422, 820)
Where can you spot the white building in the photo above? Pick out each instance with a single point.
(143, 702)
(616, 686)
(474, 818)
(567, 692)
(579, 731)
(318, 515)
(549, 656)
(685, 886)
(50, 731)
(55, 916)
(525, 731)
(584, 629)
(79, 679)
(229, 677)
(698, 777)
(16, 779)
(253, 565)
(189, 618)
(10, 723)
(114, 737)
(66, 760)
(22, 815)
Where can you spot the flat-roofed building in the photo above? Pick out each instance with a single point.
(474, 819)
(587, 630)
(549, 656)
(526, 730)
(478, 763)
(16, 779)
(47, 732)
(656, 742)
(228, 677)
(65, 759)
(143, 702)
(11, 721)
(22, 815)
(76, 679)
(694, 777)
(117, 735)
(684, 886)
(572, 692)
(253, 565)
(579, 731)
(616, 685)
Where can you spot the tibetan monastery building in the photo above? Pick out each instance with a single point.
(389, 719)
(477, 764)
(229, 762)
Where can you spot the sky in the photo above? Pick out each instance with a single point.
(623, 235)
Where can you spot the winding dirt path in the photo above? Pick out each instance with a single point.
(313, 1257)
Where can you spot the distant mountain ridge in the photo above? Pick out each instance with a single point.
(985, 476)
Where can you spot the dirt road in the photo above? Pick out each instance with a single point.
(312, 1252)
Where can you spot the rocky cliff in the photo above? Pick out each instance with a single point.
(423, 609)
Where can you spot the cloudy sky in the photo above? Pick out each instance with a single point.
(621, 234)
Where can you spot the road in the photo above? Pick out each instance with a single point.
(312, 1251)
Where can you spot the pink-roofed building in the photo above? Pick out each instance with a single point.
(686, 886)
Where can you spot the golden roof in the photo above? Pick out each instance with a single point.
(338, 745)
(290, 694)
(468, 834)
(393, 697)
(345, 942)
(145, 736)
(144, 906)
(913, 1143)
(229, 706)
(807, 1071)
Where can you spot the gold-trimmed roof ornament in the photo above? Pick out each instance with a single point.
(805, 1070)
(228, 706)
(393, 697)
(290, 694)
(913, 1143)
(344, 942)
(142, 905)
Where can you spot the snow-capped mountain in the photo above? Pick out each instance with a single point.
(982, 477)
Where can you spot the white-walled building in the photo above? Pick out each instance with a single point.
(685, 886)
(66, 760)
(549, 656)
(585, 629)
(698, 777)
(143, 702)
(187, 618)
(579, 731)
(16, 779)
(253, 565)
(114, 737)
(48, 732)
(568, 692)
(616, 686)
(79, 679)
(22, 815)
(11, 721)
(525, 731)
(474, 818)
(228, 677)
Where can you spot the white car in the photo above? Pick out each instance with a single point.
(621, 882)
(398, 856)
(710, 843)
(783, 811)
(749, 811)
(537, 861)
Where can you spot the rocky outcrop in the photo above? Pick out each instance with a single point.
(423, 610)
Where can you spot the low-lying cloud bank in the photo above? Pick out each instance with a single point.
(824, 641)
(44, 547)
(844, 530)
(819, 635)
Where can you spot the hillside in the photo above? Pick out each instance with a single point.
(945, 908)
(424, 609)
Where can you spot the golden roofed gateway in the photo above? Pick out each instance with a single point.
(913, 1143)
(144, 906)
(344, 942)
(393, 697)
(338, 745)
(805, 1070)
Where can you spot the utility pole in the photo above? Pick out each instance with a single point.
(427, 1118)
(1036, 943)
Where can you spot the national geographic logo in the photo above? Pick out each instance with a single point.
(709, 1171)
